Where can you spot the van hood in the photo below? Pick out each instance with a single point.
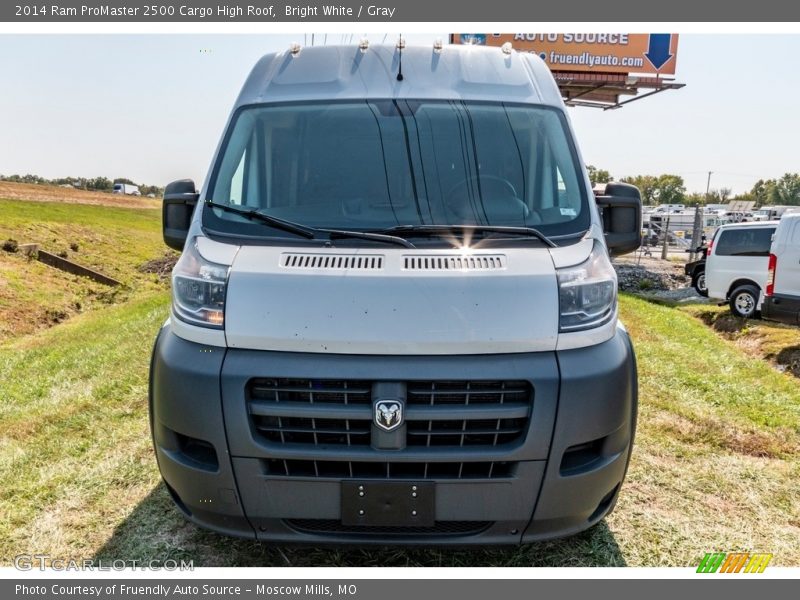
(395, 301)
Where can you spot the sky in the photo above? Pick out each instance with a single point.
(152, 107)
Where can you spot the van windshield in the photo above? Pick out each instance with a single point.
(372, 165)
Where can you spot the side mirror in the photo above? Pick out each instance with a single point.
(180, 198)
(620, 207)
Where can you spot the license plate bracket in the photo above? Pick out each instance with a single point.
(388, 503)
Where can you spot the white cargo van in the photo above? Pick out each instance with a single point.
(395, 319)
(736, 265)
(126, 188)
(782, 292)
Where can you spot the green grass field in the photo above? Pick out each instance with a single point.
(115, 241)
(715, 467)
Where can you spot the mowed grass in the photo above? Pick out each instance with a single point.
(115, 241)
(715, 467)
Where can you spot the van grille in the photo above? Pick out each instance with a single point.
(440, 528)
(416, 471)
(319, 412)
(478, 262)
(303, 260)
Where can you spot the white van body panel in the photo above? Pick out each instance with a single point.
(216, 252)
(450, 314)
(786, 247)
(392, 310)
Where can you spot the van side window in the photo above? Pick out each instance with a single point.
(745, 242)
(237, 182)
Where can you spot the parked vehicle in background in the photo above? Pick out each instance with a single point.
(668, 208)
(381, 341)
(736, 265)
(782, 291)
(126, 188)
(683, 221)
(773, 213)
(696, 270)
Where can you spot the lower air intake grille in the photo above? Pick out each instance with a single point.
(387, 470)
(333, 527)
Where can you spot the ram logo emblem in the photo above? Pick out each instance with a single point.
(388, 414)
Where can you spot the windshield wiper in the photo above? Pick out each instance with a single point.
(253, 214)
(307, 231)
(438, 230)
(367, 235)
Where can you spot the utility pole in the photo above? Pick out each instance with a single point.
(697, 230)
(666, 240)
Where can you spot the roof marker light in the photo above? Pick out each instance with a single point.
(507, 48)
(294, 48)
(363, 44)
(438, 45)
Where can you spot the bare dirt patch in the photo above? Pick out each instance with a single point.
(771, 341)
(161, 266)
(53, 193)
(647, 274)
(748, 441)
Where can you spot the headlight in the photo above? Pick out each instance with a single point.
(198, 289)
(587, 292)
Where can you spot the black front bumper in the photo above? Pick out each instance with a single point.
(781, 307)
(560, 477)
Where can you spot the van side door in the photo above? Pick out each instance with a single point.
(787, 250)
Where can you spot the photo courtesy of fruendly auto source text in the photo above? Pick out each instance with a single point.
(306, 300)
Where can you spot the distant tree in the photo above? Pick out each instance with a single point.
(761, 191)
(123, 180)
(647, 186)
(598, 175)
(102, 184)
(695, 199)
(28, 178)
(663, 189)
(745, 197)
(151, 189)
(786, 190)
(670, 189)
(720, 196)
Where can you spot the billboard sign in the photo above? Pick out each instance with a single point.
(640, 53)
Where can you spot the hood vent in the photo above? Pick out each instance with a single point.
(475, 262)
(302, 260)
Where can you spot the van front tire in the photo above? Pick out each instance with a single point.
(744, 300)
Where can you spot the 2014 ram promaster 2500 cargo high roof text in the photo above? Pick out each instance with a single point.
(395, 318)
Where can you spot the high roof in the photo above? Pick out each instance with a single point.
(347, 72)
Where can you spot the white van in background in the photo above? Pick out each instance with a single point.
(782, 291)
(127, 189)
(736, 266)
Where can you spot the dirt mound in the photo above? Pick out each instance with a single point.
(649, 275)
(761, 338)
(161, 266)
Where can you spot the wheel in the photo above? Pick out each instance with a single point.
(699, 283)
(744, 300)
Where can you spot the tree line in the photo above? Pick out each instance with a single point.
(671, 189)
(96, 184)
